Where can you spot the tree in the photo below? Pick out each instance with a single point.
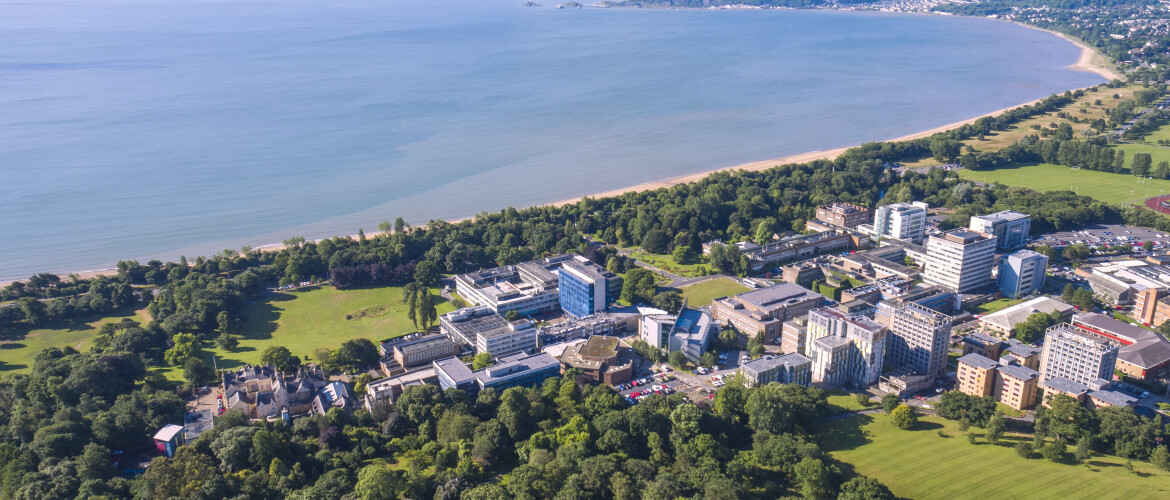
(1066, 418)
(678, 360)
(185, 346)
(512, 315)
(655, 241)
(1024, 449)
(813, 477)
(227, 341)
(766, 229)
(862, 399)
(1033, 328)
(707, 359)
(1055, 450)
(865, 488)
(1160, 458)
(94, 463)
(1076, 251)
(280, 357)
(995, 428)
(1084, 449)
(1148, 246)
(482, 360)
(964, 423)
(355, 354)
(196, 372)
(1067, 294)
(1140, 165)
(1162, 171)
(904, 417)
(684, 254)
(945, 149)
(639, 286)
(668, 301)
(718, 258)
(426, 273)
(889, 402)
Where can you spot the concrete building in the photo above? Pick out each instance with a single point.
(488, 331)
(654, 329)
(903, 221)
(1005, 320)
(518, 370)
(976, 375)
(845, 349)
(960, 259)
(1144, 354)
(1060, 385)
(802, 273)
(981, 344)
(790, 368)
(1077, 355)
(932, 297)
(846, 215)
(454, 374)
(765, 310)
(388, 389)
(918, 339)
(600, 359)
(692, 333)
(527, 288)
(1016, 385)
(1022, 273)
(1009, 228)
(613, 323)
(423, 350)
(801, 246)
(793, 335)
(1152, 306)
(1028, 355)
(586, 288)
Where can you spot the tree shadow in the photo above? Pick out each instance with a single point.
(12, 345)
(846, 434)
(262, 317)
(927, 426)
(4, 367)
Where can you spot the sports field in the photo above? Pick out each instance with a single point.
(920, 464)
(701, 294)
(1105, 186)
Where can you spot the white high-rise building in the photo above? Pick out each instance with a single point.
(845, 348)
(960, 259)
(1022, 273)
(904, 221)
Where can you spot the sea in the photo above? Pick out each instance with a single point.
(153, 129)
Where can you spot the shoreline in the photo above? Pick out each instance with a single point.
(1084, 63)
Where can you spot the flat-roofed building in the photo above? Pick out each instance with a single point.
(600, 359)
(654, 328)
(489, 332)
(527, 288)
(1005, 320)
(423, 350)
(845, 215)
(692, 333)
(903, 221)
(933, 297)
(586, 287)
(803, 246)
(845, 349)
(1060, 385)
(388, 389)
(1016, 385)
(960, 259)
(765, 310)
(518, 370)
(981, 344)
(976, 375)
(1076, 354)
(1027, 354)
(1022, 273)
(1010, 228)
(790, 368)
(793, 335)
(918, 339)
(1106, 397)
(454, 374)
(802, 273)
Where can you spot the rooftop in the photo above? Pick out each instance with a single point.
(978, 361)
(1102, 324)
(1115, 398)
(1022, 349)
(600, 346)
(1006, 215)
(424, 343)
(1064, 385)
(769, 361)
(1145, 354)
(981, 339)
(1008, 318)
(963, 236)
(455, 369)
(512, 366)
(168, 431)
(1019, 372)
(858, 320)
(783, 294)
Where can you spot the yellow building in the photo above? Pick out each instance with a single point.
(1016, 385)
(976, 375)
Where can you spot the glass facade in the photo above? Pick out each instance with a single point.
(577, 295)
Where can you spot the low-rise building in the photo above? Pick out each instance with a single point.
(1059, 385)
(263, 392)
(169, 438)
(454, 374)
(976, 375)
(1028, 355)
(790, 368)
(388, 389)
(692, 333)
(335, 394)
(1015, 385)
(802, 273)
(527, 288)
(765, 310)
(1005, 320)
(613, 323)
(518, 370)
(1106, 397)
(981, 344)
(600, 359)
(422, 350)
(1145, 360)
(489, 332)
(846, 215)
(802, 247)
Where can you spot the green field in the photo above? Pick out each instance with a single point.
(840, 402)
(304, 321)
(702, 293)
(19, 346)
(920, 464)
(1105, 186)
(1157, 153)
(667, 263)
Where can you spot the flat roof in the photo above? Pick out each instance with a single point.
(600, 346)
(1006, 215)
(783, 294)
(978, 361)
(963, 236)
(514, 366)
(1019, 372)
(770, 361)
(454, 369)
(422, 344)
(168, 432)
(1061, 384)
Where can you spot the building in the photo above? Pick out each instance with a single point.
(1077, 355)
(692, 333)
(1106, 397)
(1152, 306)
(600, 359)
(1009, 228)
(918, 339)
(902, 221)
(846, 215)
(793, 335)
(976, 375)
(1028, 355)
(454, 374)
(422, 350)
(387, 390)
(933, 297)
(614, 323)
(528, 288)
(790, 368)
(1005, 320)
(482, 327)
(334, 394)
(845, 349)
(518, 370)
(1022, 273)
(1144, 354)
(1015, 385)
(981, 344)
(802, 273)
(263, 392)
(801, 247)
(1060, 385)
(1120, 281)
(1120, 331)
(960, 259)
(587, 288)
(766, 309)
(654, 328)
(169, 438)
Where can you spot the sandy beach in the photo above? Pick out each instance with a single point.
(1089, 61)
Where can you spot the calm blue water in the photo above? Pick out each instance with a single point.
(150, 129)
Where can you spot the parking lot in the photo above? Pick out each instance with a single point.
(666, 380)
(1108, 235)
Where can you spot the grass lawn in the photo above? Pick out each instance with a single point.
(304, 321)
(996, 305)
(667, 263)
(701, 294)
(18, 346)
(1161, 134)
(1105, 186)
(1157, 154)
(920, 464)
(840, 402)
(1007, 410)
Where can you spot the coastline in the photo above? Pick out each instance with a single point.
(1085, 62)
